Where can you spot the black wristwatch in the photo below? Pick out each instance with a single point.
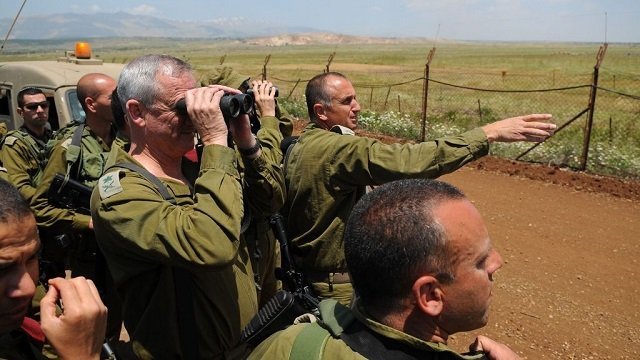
(252, 150)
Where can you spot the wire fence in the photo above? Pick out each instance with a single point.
(597, 113)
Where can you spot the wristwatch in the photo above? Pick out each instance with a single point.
(252, 150)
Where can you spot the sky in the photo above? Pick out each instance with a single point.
(491, 20)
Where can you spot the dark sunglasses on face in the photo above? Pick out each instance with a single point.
(34, 106)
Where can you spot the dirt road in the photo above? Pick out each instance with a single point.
(570, 285)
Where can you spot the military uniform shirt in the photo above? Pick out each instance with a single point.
(143, 237)
(326, 173)
(23, 157)
(91, 164)
(279, 345)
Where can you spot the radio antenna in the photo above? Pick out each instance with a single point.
(12, 24)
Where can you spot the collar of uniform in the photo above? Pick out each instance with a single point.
(360, 313)
(45, 136)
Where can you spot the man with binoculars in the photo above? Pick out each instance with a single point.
(174, 244)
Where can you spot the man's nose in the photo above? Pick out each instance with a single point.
(356, 105)
(23, 285)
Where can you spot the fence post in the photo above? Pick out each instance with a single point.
(386, 99)
(331, 56)
(425, 94)
(294, 88)
(592, 106)
(264, 67)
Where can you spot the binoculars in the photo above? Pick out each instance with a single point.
(231, 105)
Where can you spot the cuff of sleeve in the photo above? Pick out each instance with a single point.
(219, 157)
(81, 222)
(259, 164)
(270, 122)
(478, 142)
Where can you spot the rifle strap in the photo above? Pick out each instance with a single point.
(183, 281)
(309, 343)
(73, 153)
(287, 153)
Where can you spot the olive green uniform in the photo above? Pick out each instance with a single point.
(144, 238)
(336, 319)
(91, 167)
(23, 155)
(261, 241)
(78, 251)
(326, 174)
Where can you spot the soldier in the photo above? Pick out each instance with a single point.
(78, 333)
(81, 156)
(174, 244)
(422, 267)
(23, 151)
(329, 168)
(261, 241)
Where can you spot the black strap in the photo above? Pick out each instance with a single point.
(374, 346)
(286, 146)
(76, 140)
(183, 281)
(162, 188)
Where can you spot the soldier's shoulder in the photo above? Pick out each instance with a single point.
(14, 137)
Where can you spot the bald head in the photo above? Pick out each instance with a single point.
(94, 93)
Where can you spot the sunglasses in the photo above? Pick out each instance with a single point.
(34, 106)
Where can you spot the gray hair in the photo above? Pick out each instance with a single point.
(138, 78)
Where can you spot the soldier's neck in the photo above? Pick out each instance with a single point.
(37, 131)
(102, 129)
(160, 165)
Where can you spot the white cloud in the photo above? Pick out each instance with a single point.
(144, 9)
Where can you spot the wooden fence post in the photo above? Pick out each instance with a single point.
(592, 105)
(425, 94)
(264, 67)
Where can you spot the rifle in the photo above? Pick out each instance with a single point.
(286, 305)
(292, 279)
(70, 194)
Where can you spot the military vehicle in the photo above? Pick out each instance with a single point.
(56, 78)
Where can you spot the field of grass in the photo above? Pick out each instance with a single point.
(471, 84)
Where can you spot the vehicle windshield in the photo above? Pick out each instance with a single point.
(77, 113)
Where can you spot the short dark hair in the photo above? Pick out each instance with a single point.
(13, 205)
(391, 238)
(316, 93)
(27, 91)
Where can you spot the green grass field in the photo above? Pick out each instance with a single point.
(468, 86)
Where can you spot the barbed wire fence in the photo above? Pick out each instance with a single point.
(597, 116)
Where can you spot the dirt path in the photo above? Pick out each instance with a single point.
(570, 285)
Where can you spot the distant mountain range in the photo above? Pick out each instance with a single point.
(121, 24)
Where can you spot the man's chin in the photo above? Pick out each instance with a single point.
(10, 323)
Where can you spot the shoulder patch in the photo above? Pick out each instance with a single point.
(65, 143)
(10, 140)
(109, 184)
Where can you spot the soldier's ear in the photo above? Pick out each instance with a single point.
(319, 111)
(90, 103)
(135, 111)
(321, 115)
(428, 295)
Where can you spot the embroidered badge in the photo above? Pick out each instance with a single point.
(10, 140)
(109, 184)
